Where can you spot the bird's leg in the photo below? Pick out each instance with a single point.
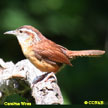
(50, 77)
(46, 77)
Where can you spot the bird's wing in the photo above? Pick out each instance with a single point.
(49, 50)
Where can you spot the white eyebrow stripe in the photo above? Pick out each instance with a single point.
(31, 31)
(25, 29)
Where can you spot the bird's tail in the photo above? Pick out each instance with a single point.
(84, 53)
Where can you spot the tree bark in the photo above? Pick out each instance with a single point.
(43, 85)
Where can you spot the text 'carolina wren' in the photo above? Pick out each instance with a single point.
(45, 54)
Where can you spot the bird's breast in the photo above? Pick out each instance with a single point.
(40, 64)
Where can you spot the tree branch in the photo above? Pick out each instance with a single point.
(43, 85)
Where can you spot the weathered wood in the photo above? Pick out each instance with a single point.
(43, 85)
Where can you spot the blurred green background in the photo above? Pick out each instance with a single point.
(75, 24)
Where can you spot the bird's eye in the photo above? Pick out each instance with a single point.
(20, 31)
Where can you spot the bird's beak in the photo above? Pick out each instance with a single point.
(13, 32)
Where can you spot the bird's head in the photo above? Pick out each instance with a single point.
(26, 33)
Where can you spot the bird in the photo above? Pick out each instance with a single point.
(45, 54)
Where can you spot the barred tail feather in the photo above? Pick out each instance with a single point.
(85, 53)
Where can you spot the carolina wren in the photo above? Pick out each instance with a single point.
(45, 54)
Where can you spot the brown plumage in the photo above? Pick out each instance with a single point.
(45, 54)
